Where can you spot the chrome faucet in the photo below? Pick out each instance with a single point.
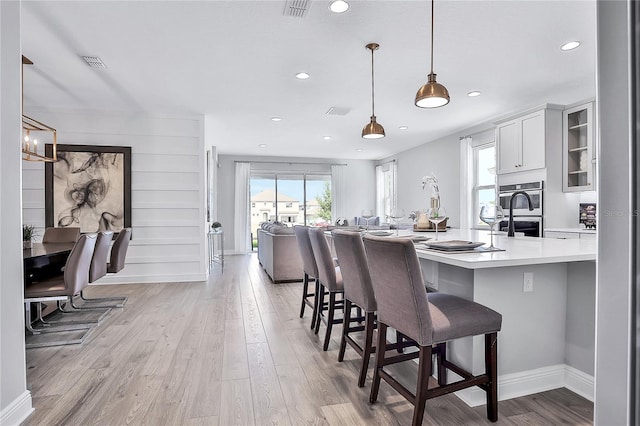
(512, 228)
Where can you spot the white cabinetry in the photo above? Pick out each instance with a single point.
(521, 143)
(570, 234)
(578, 154)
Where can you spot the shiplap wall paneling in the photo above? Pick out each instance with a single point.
(167, 190)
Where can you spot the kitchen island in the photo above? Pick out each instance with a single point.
(548, 328)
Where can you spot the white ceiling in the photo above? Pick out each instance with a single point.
(236, 61)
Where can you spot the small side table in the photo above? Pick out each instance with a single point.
(216, 247)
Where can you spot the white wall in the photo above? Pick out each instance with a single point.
(15, 399)
(614, 222)
(167, 189)
(359, 177)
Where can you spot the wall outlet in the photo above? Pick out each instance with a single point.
(527, 284)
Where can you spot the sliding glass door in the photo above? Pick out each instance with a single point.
(290, 198)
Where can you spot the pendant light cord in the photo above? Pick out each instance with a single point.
(432, 21)
(373, 110)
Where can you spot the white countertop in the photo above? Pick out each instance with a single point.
(578, 230)
(519, 251)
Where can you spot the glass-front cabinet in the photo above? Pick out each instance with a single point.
(578, 148)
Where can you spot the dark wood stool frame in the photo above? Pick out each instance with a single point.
(487, 381)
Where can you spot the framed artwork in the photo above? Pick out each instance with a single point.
(88, 187)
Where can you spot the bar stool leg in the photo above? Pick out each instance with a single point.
(332, 309)
(368, 347)
(345, 329)
(381, 347)
(424, 371)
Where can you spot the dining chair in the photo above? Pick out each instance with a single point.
(330, 281)
(431, 320)
(62, 288)
(98, 270)
(310, 271)
(61, 235)
(119, 251)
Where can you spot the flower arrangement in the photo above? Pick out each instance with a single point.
(432, 181)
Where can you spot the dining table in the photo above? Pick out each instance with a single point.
(44, 260)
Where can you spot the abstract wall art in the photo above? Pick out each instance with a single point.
(89, 187)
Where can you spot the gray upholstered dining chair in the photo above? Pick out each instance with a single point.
(119, 251)
(310, 271)
(98, 270)
(330, 279)
(62, 288)
(61, 235)
(431, 320)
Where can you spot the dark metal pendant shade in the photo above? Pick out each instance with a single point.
(373, 130)
(432, 94)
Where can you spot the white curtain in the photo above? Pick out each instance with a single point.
(466, 181)
(242, 240)
(338, 191)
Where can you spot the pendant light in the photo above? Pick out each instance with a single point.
(373, 130)
(432, 94)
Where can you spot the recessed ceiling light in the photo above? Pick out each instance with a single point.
(339, 6)
(359, 149)
(276, 119)
(302, 76)
(326, 138)
(473, 94)
(263, 145)
(403, 127)
(570, 45)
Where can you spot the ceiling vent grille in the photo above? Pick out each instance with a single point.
(94, 62)
(338, 111)
(296, 8)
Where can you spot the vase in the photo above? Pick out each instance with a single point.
(26, 244)
(423, 221)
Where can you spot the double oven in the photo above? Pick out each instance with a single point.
(529, 222)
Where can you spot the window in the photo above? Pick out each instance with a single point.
(484, 180)
(288, 205)
(385, 189)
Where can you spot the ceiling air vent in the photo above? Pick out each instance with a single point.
(94, 62)
(338, 111)
(296, 8)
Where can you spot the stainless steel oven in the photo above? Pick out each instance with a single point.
(530, 226)
(520, 206)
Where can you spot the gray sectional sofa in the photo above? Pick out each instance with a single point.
(278, 253)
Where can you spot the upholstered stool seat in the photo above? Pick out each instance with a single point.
(454, 317)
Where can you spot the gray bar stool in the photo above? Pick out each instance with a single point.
(431, 320)
(330, 279)
(310, 271)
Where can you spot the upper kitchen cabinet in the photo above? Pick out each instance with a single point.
(578, 162)
(521, 143)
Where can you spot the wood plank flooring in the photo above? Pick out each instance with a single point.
(233, 351)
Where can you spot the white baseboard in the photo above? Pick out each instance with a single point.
(533, 381)
(579, 382)
(17, 411)
(139, 279)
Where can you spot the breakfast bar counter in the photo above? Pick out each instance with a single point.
(545, 290)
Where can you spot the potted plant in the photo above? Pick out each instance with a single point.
(28, 234)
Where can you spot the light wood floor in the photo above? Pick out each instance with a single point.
(234, 351)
